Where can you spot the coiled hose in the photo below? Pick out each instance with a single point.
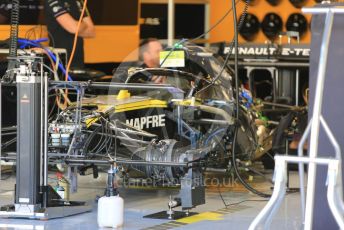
(13, 40)
(14, 28)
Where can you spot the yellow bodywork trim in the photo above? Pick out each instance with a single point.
(187, 102)
(140, 105)
(90, 121)
(144, 104)
(123, 94)
(135, 105)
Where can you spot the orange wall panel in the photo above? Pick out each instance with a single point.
(113, 44)
(39, 32)
(224, 32)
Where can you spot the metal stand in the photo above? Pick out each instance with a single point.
(191, 194)
(334, 176)
(288, 168)
(334, 189)
(34, 198)
(171, 214)
(0, 129)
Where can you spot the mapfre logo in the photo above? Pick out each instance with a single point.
(147, 122)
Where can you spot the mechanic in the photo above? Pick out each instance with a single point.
(62, 18)
(149, 55)
(149, 52)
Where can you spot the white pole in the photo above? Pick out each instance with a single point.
(207, 21)
(170, 35)
(314, 139)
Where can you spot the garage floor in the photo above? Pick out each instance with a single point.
(140, 202)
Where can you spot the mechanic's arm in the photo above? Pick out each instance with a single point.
(86, 29)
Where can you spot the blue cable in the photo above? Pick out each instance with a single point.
(35, 43)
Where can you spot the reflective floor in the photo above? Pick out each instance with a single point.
(242, 207)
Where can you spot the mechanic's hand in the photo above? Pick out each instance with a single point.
(159, 79)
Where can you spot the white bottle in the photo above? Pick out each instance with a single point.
(110, 212)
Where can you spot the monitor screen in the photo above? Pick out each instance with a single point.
(156, 19)
(31, 12)
(114, 12)
(103, 12)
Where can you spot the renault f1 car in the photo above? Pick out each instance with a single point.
(168, 132)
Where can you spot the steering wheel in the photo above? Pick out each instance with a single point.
(141, 76)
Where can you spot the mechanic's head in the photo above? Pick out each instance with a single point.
(150, 52)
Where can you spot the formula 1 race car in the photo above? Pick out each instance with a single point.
(168, 132)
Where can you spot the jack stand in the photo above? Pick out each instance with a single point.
(191, 194)
(170, 211)
(56, 208)
(171, 214)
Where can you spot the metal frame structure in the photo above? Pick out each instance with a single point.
(334, 176)
(334, 190)
(33, 198)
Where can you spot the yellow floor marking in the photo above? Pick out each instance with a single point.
(221, 212)
(206, 216)
(201, 217)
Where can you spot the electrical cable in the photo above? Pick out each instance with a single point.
(51, 58)
(115, 124)
(109, 142)
(107, 137)
(52, 110)
(200, 36)
(109, 134)
(63, 93)
(236, 55)
(29, 32)
(51, 37)
(90, 137)
(67, 77)
(234, 163)
(236, 203)
(8, 143)
(215, 25)
(237, 27)
(48, 52)
(108, 147)
(10, 173)
(56, 95)
(76, 38)
(101, 141)
(48, 68)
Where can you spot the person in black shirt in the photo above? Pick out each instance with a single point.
(62, 19)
